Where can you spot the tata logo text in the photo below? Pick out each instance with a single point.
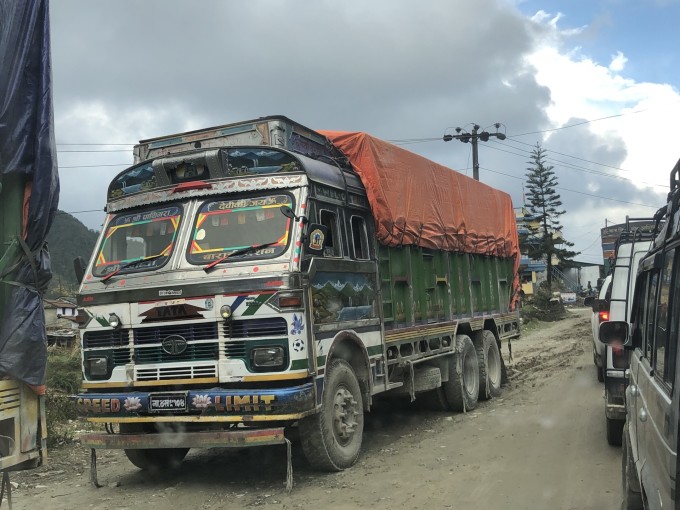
(174, 344)
(168, 293)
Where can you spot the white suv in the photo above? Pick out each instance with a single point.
(600, 307)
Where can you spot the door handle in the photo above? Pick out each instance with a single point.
(642, 414)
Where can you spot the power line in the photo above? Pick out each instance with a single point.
(578, 192)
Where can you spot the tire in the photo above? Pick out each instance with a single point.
(434, 400)
(152, 459)
(156, 460)
(614, 431)
(600, 373)
(489, 359)
(331, 439)
(632, 492)
(462, 388)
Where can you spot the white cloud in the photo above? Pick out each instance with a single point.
(618, 62)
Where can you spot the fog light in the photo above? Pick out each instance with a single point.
(268, 357)
(225, 312)
(114, 321)
(98, 367)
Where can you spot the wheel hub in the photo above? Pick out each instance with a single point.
(344, 414)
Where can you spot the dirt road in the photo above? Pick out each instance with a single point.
(541, 445)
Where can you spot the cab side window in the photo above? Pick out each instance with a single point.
(666, 335)
(650, 315)
(332, 244)
(359, 238)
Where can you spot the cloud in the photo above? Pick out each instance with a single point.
(122, 73)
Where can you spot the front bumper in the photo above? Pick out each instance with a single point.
(206, 405)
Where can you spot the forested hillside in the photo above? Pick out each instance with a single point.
(68, 238)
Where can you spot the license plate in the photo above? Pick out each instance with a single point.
(167, 402)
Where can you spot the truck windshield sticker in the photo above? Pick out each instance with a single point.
(260, 161)
(225, 226)
(144, 235)
(133, 180)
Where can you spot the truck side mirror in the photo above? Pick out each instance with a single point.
(588, 301)
(79, 268)
(614, 333)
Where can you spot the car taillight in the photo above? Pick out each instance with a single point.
(604, 315)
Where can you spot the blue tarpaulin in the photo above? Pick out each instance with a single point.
(27, 149)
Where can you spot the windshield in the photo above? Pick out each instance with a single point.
(224, 226)
(130, 237)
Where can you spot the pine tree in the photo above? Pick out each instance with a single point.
(545, 207)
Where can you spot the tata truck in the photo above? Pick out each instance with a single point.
(260, 277)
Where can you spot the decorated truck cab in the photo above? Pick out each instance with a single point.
(261, 275)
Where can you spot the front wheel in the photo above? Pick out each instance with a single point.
(152, 459)
(157, 459)
(331, 439)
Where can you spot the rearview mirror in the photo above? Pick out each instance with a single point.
(614, 333)
(79, 268)
(589, 301)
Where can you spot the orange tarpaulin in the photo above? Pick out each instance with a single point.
(417, 201)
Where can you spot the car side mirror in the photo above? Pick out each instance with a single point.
(589, 301)
(614, 333)
(79, 268)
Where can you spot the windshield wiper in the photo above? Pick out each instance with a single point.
(240, 251)
(132, 263)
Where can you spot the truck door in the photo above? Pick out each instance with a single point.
(656, 416)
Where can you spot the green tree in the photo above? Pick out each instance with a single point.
(545, 206)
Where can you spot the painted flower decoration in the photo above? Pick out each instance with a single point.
(132, 404)
(201, 401)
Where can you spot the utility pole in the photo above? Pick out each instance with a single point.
(466, 137)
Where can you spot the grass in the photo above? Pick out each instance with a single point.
(63, 379)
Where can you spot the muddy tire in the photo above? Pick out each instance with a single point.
(434, 400)
(490, 368)
(331, 439)
(462, 388)
(152, 459)
(614, 431)
(160, 459)
(632, 492)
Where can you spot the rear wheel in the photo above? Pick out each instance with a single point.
(331, 439)
(632, 492)
(600, 373)
(462, 388)
(489, 359)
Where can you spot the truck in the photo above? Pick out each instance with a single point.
(29, 191)
(261, 277)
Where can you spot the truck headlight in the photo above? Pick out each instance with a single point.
(97, 367)
(268, 357)
(114, 321)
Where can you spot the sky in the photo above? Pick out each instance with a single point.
(593, 82)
